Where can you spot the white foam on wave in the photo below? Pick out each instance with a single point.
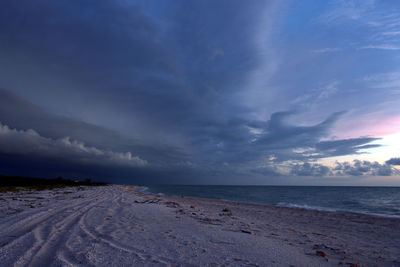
(144, 190)
(318, 208)
(304, 206)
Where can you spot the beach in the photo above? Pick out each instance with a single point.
(119, 226)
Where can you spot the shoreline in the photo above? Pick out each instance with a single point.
(377, 220)
(140, 189)
(116, 225)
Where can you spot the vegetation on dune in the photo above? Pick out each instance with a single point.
(15, 183)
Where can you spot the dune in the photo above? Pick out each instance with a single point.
(118, 226)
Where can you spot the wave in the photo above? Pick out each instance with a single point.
(319, 208)
(376, 201)
(143, 190)
(147, 191)
(304, 206)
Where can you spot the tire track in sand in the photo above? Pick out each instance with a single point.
(48, 228)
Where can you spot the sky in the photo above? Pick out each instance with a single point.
(201, 92)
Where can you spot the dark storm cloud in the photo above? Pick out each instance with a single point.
(129, 62)
(288, 142)
(54, 167)
(393, 161)
(20, 114)
(310, 169)
(146, 68)
(346, 147)
(268, 171)
(157, 80)
(84, 36)
(364, 167)
(234, 140)
(280, 135)
(218, 144)
(28, 153)
(31, 144)
(355, 168)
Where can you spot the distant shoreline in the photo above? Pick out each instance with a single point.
(13, 183)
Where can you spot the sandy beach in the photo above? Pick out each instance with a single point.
(117, 226)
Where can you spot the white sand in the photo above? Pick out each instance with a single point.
(115, 226)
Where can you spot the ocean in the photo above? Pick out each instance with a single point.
(381, 201)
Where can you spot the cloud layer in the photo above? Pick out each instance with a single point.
(266, 148)
(30, 144)
(393, 161)
(196, 91)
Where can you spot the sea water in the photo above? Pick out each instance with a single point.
(383, 201)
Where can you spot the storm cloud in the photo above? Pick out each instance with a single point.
(215, 147)
(359, 168)
(193, 91)
(393, 161)
(310, 169)
(30, 144)
(355, 168)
